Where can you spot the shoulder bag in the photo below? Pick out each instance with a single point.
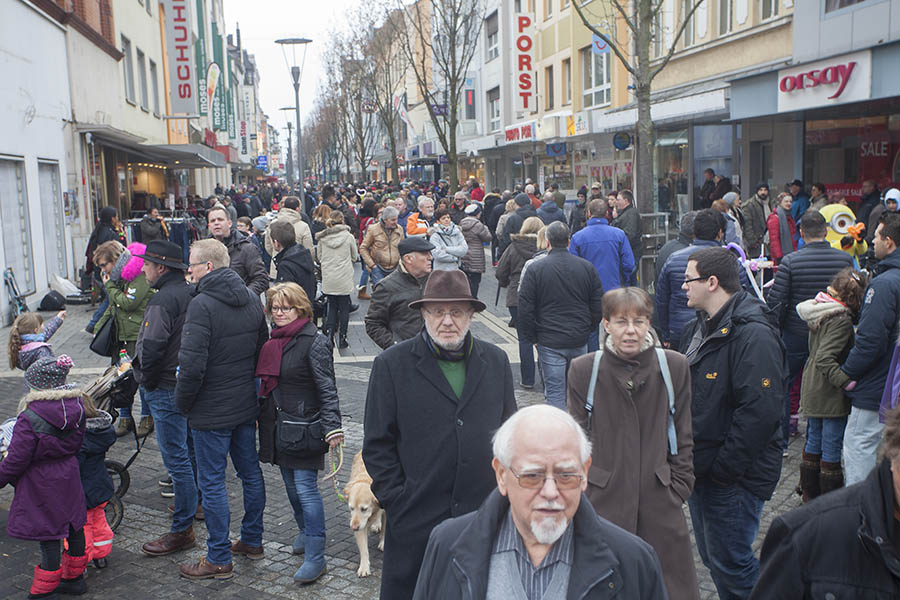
(298, 437)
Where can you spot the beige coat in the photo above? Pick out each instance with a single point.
(336, 252)
(380, 247)
(301, 230)
(633, 481)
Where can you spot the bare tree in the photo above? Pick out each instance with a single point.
(439, 39)
(643, 27)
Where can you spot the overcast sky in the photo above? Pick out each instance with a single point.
(264, 21)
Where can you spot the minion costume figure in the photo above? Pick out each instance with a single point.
(843, 231)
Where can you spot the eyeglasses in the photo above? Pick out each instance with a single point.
(535, 480)
(455, 314)
(283, 309)
(625, 323)
(686, 280)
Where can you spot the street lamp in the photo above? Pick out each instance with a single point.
(290, 158)
(294, 44)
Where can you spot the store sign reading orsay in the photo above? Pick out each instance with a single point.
(833, 81)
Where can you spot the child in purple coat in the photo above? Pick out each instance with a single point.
(42, 464)
(29, 338)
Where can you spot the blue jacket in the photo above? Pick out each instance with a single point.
(672, 310)
(549, 212)
(607, 249)
(876, 335)
(799, 206)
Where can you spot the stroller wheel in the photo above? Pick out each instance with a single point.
(120, 476)
(100, 563)
(114, 511)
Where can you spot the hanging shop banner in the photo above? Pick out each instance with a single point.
(182, 80)
(598, 46)
(399, 103)
(229, 104)
(523, 55)
(213, 82)
(244, 142)
(202, 64)
(217, 97)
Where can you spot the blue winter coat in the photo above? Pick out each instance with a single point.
(876, 335)
(607, 249)
(549, 212)
(41, 464)
(671, 301)
(99, 435)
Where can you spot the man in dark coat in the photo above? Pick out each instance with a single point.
(549, 211)
(738, 371)
(389, 319)
(491, 553)
(800, 276)
(709, 185)
(245, 259)
(842, 545)
(629, 220)
(870, 198)
(224, 330)
(155, 367)
(433, 403)
(756, 211)
(292, 261)
(684, 239)
(524, 209)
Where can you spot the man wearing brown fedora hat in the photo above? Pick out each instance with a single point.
(433, 404)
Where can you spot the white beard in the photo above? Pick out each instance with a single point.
(547, 531)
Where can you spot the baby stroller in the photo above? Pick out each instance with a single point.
(112, 390)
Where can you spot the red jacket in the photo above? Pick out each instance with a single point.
(775, 237)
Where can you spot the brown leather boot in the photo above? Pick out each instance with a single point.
(362, 295)
(809, 476)
(206, 570)
(831, 478)
(251, 552)
(170, 543)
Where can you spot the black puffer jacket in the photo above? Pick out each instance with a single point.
(306, 386)
(156, 356)
(99, 435)
(801, 275)
(295, 264)
(390, 319)
(840, 545)
(738, 372)
(514, 224)
(509, 269)
(223, 332)
(247, 262)
(559, 300)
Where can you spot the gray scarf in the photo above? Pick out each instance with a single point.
(784, 232)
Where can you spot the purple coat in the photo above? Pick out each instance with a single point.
(42, 464)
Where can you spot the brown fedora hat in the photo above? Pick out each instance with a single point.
(448, 286)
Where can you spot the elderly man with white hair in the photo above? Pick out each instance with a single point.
(536, 536)
(379, 249)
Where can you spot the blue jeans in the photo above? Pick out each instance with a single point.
(176, 446)
(125, 411)
(101, 308)
(526, 351)
(302, 487)
(861, 439)
(825, 437)
(554, 367)
(377, 274)
(797, 348)
(726, 521)
(363, 276)
(213, 447)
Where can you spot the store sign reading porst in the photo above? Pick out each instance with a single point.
(523, 71)
(838, 80)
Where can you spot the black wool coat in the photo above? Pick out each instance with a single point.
(427, 451)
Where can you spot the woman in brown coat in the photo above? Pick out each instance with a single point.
(635, 480)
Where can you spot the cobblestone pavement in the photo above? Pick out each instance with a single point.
(133, 575)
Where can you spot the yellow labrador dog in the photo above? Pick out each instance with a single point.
(365, 514)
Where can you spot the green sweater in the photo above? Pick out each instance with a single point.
(455, 372)
(127, 300)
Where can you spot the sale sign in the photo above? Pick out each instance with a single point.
(523, 57)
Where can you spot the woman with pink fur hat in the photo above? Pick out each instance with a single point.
(128, 295)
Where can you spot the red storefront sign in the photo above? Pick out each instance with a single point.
(830, 75)
(209, 138)
(520, 133)
(522, 68)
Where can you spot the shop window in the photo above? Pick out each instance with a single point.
(16, 224)
(831, 5)
(142, 79)
(769, 9)
(492, 32)
(493, 99)
(548, 79)
(154, 87)
(54, 225)
(712, 150)
(670, 166)
(567, 81)
(595, 78)
(128, 66)
(725, 17)
(469, 100)
(688, 35)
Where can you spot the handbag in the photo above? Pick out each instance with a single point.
(298, 437)
(106, 341)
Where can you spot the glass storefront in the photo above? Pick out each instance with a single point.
(670, 167)
(712, 150)
(557, 169)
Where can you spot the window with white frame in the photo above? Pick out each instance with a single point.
(16, 224)
(831, 5)
(54, 225)
(493, 101)
(154, 87)
(567, 81)
(658, 34)
(769, 9)
(595, 80)
(142, 79)
(128, 66)
(548, 84)
(688, 36)
(548, 8)
(725, 17)
(492, 35)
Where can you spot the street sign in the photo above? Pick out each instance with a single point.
(599, 46)
(262, 162)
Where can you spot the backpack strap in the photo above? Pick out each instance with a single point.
(670, 391)
(589, 401)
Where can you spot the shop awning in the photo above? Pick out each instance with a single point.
(705, 100)
(191, 156)
(179, 156)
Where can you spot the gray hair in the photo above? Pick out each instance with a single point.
(557, 235)
(503, 446)
(529, 189)
(548, 196)
(213, 251)
(422, 200)
(389, 212)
